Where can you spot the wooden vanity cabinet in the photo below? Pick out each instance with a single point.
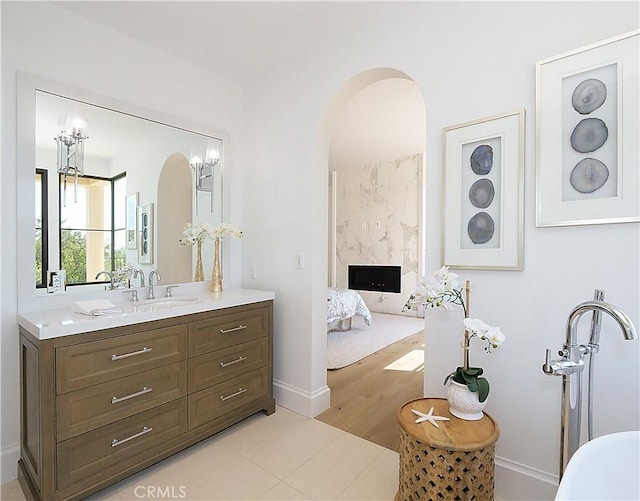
(100, 406)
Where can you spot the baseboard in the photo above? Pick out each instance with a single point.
(516, 481)
(309, 404)
(9, 464)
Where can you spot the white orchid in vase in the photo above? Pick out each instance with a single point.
(191, 235)
(216, 232)
(195, 235)
(198, 233)
(441, 290)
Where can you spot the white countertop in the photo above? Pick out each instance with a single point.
(47, 324)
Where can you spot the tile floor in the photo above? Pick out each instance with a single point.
(284, 456)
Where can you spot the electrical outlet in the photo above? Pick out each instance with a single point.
(300, 261)
(252, 271)
(56, 281)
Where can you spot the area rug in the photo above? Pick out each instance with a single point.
(346, 348)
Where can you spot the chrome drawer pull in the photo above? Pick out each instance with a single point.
(115, 400)
(227, 364)
(115, 442)
(239, 328)
(239, 392)
(132, 354)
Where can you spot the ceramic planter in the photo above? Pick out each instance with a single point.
(464, 404)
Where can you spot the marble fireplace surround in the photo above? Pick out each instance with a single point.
(376, 218)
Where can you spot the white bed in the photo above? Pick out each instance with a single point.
(342, 306)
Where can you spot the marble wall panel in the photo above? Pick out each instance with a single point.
(377, 224)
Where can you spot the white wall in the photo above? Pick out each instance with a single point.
(383, 122)
(110, 65)
(470, 60)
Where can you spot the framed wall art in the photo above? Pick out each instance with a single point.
(145, 231)
(483, 193)
(587, 129)
(131, 221)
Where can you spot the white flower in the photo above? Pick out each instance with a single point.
(492, 335)
(476, 326)
(431, 285)
(192, 234)
(447, 279)
(216, 232)
(495, 336)
(438, 289)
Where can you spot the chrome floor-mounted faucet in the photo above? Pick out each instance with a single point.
(570, 366)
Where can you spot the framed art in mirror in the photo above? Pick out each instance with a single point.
(587, 129)
(145, 232)
(483, 193)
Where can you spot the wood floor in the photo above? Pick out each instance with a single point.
(365, 396)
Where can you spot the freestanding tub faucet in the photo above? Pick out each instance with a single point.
(571, 365)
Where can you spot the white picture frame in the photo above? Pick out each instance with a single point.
(131, 224)
(483, 212)
(587, 129)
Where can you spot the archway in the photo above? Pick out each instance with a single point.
(174, 207)
(391, 92)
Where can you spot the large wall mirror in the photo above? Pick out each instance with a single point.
(128, 207)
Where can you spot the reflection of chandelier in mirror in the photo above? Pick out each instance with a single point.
(70, 142)
(203, 170)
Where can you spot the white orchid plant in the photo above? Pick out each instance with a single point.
(441, 289)
(192, 234)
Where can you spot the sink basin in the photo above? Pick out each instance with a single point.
(162, 303)
(605, 468)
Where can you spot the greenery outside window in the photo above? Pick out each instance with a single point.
(42, 226)
(92, 229)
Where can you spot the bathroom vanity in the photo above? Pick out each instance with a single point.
(104, 397)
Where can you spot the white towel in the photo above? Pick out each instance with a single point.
(95, 307)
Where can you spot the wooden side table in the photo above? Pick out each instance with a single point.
(452, 462)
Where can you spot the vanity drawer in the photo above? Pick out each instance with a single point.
(91, 363)
(218, 401)
(92, 452)
(217, 366)
(223, 331)
(84, 410)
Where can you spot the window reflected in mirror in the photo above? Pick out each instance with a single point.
(42, 254)
(92, 229)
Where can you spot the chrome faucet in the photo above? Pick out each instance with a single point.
(571, 365)
(138, 271)
(108, 274)
(151, 275)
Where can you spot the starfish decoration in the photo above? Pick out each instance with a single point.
(429, 417)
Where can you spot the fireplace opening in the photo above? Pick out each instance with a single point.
(374, 278)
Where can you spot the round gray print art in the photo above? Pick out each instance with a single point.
(588, 96)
